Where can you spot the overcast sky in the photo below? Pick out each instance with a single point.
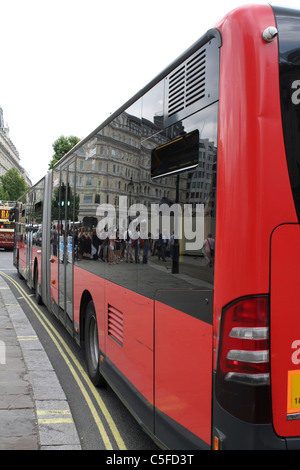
(67, 64)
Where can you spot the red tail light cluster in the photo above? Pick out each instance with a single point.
(243, 371)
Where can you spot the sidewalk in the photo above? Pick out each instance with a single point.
(34, 412)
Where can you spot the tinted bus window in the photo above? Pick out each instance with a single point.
(289, 72)
(125, 220)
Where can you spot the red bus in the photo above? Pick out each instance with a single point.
(192, 322)
(7, 226)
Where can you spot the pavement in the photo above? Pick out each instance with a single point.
(34, 411)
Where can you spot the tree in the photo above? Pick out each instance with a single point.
(61, 146)
(12, 185)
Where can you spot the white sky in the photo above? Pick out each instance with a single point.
(67, 64)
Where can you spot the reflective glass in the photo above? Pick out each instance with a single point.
(120, 225)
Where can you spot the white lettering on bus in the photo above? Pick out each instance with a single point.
(296, 94)
(296, 354)
(134, 221)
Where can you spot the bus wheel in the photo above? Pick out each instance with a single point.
(18, 269)
(38, 297)
(92, 346)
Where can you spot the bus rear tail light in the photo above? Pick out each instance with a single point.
(243, 371)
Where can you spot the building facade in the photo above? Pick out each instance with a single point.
(9, 155)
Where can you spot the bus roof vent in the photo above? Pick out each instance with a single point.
(187, 84)
(193, 85)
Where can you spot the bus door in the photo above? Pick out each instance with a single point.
(54, 237)
(29, 240)
(67, 247)
(29, 237)
(61, 270)
(183, 367)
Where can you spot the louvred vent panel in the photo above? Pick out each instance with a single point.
(187, 83)
(115, 324)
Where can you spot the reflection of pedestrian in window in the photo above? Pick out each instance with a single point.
(54, 241)
(80, 243)
(111, 248)
(118, 247)
(209, 250)
(147, 248)
(136, 244)
(163, 242)
(95, 245)
(171, 245)
(129, 251)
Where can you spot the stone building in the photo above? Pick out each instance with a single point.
(9, 155)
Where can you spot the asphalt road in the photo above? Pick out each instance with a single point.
(102, 421)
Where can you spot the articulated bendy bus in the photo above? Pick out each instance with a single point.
(162, 241)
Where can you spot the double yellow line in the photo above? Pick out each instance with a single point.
(77, 371)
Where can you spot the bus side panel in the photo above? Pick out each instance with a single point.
(129, 342)
(183, 370)
(125, 330)
(36, 258)
(22, 250)
(285, 334)
(94, 285)
(54, 265)
(6, 240)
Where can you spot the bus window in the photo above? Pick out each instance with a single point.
(153, 110)
(289, 65)
(107, 184)
(191, 196)
(119, 217)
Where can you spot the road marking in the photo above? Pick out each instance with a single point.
(56, 420)
(53, 412)
(48, 327)
(27, 338)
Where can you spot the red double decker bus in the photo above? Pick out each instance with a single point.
(160, 241)
(7, 226)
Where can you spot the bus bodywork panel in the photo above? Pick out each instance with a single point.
(254, 191)
(183, 364)
(6, 239)
(129, 345)
(7, 226)
(151, 348)
(285, 337)
(253, 186)
(285, 244)
(21, 254)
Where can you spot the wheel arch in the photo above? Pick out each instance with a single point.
(85, 299)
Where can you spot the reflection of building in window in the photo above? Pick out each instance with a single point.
(115, 158)
(201, 183)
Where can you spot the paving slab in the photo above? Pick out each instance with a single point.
(34, 411)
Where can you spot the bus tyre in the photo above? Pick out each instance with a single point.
(92, 346)
(38, 297)
(18, 268)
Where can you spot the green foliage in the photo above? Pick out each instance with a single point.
(61, 146)
(12, 185)
(64, 204)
